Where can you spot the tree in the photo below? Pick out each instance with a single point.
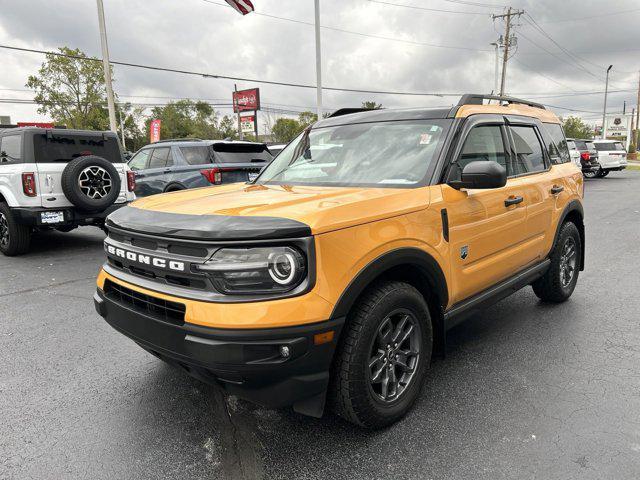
(285, 129)
(71, 90)
(188, 119)
(307, 118)
(574, 127)
(371, 105)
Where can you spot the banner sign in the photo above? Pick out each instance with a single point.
(154, 130)
(244, 100)
(37, 124)
(248, 123)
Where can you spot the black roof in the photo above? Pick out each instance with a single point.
(386, 115)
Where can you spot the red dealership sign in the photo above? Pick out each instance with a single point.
(154, 130)
(244, 100)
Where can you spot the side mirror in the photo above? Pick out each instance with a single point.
(481, 174)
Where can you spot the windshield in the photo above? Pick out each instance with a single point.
(65, 147)
(580, 145)
(369, 154)
(590, 145)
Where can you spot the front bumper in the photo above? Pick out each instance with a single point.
(72, 217)
(246, 363)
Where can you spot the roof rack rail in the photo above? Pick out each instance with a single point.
(477, 99)
(347, 111)
(180, 140)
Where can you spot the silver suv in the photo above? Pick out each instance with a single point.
(58, 179)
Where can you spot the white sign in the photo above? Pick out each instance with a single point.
(248, 123)
(617, 125)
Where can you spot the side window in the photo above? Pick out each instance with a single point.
(529, 153)
(159, 157)
(557, 147)
(483, 144)
(196, 155)
(169, 158)
(139, 160)
(11, 149)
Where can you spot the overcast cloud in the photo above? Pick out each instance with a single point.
(205, 37)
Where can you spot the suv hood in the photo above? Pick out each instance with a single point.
(242, 211)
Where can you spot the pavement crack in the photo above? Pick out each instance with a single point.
(241, 457)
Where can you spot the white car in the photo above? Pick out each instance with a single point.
(612, 156)
(58, 179)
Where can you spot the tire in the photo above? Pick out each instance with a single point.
(591, 173)
(91, 183)
(355, 393)
(555, 286)
(14, 238)
(604, 173)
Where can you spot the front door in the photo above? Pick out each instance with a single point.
(486, 227)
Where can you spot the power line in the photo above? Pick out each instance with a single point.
(228, 77)
(414, 7)
(360, 34)
(476, 4)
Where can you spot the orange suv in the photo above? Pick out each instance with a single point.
(334, 276)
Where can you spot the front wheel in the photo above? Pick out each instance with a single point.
(14, 238)
(384, 353)
(560, 280)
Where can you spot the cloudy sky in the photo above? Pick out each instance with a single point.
(439, 46)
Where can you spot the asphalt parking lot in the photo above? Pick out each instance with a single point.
(526, 390)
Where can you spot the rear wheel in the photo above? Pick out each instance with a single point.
(561, 278)
(383, 356)
(14, 238)
(590, 173)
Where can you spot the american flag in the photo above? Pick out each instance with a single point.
(242, 6)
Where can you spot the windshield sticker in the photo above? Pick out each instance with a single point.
(425, 138)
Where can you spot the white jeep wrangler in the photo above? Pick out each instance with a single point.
(58, 179)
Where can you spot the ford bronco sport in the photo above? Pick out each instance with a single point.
(336, 273)
(58, 179)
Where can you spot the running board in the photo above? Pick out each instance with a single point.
(462, 310)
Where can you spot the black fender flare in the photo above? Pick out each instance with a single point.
(409, 256)
(572, 206)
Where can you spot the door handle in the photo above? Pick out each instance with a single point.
(513, 201)
(557, 189)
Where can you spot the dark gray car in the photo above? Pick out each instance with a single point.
(171, 165)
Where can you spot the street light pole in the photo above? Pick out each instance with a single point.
(107, 68)
(318, 61)
(496, 69)
(604, 110)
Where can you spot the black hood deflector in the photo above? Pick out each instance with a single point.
(206, 227)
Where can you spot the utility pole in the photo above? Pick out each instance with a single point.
(604, 110)
(124, 145)
(509, 39)
(107, 68)
(318, 61)
(237, 106)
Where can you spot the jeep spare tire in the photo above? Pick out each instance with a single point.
(91, 183)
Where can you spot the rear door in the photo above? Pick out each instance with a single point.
(54, 149)
(157, 175)
(542, 183)
(240, 161)
(190, 161)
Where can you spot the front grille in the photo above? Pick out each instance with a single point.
(163, 310)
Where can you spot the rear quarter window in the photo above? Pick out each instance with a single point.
(62, 147)
(196, 155)
(11, 149)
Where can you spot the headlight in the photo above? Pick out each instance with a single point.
(256, 270)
